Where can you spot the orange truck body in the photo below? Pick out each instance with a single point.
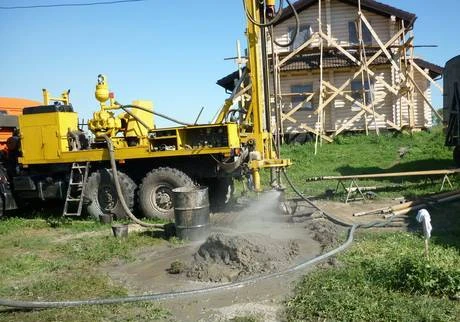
(12, 106)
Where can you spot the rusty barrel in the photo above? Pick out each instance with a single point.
(191, 212)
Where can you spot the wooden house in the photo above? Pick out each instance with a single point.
(350, 67)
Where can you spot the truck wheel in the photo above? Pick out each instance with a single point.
(155, 192)
(220, 193)
(456, 155)
(102, 196)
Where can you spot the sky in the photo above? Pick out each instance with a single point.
(171, 52)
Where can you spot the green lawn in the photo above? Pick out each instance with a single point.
(52, 260)
(360, 154)
(384, 276)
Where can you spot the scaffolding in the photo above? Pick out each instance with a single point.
(399, 53)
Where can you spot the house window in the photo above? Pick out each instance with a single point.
(357, 93)
(305, 91)
(353, 34)
(302, 37)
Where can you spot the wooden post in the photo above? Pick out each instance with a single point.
(358, 72)
(320, 115)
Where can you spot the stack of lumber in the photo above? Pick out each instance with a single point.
(406, 207)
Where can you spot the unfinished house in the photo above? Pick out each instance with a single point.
(350, 67)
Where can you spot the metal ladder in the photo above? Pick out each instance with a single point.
(76, 189)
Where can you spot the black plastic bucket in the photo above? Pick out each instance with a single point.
(120, 230)
(191, 212)
(105, 218)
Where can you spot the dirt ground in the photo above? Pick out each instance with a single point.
(274, 232)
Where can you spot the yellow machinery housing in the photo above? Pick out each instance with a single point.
(44, 136)
(151, 160)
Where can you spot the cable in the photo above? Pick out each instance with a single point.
(83, 4)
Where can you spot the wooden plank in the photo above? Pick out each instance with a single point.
(349, 122)
(298, 106)
(374, 57)
(421, 71)
(295, 52)
(289, 118)
(425, 98)
(312, 130)
(379, 42)
(340, 48)
(364, 107)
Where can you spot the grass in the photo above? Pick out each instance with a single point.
(384, 276)
(57, 260)
(359, 154)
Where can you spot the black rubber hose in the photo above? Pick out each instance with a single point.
(169, 295)
(271, 22)
(113, 164)
(296, 30)
(230, 286)
(378, 223)
(275, 20)
(154, 113)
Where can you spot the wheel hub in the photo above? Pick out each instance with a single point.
(107, 198)
(163, 198)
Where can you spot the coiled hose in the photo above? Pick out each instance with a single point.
(230, 286)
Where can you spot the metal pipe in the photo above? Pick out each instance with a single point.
(406, 210)
(405, 205)
(154, 113)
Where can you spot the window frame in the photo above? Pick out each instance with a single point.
(304, 27)
(356, 93)
(353, 38)
(296, 99)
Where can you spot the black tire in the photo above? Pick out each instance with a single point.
(155, 192)
(220, 193)
(456, 156)
(102, 196)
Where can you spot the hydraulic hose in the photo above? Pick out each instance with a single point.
(170, 295)
(271, 22)
(118, 187)
(225, 287)
(296, 30)
(378, 223)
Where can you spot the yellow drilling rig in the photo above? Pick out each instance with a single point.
(50, 157)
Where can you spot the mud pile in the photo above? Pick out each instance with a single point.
(225, 258)
(324, 232)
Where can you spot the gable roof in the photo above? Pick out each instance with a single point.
(433, 70)
(369, 5)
